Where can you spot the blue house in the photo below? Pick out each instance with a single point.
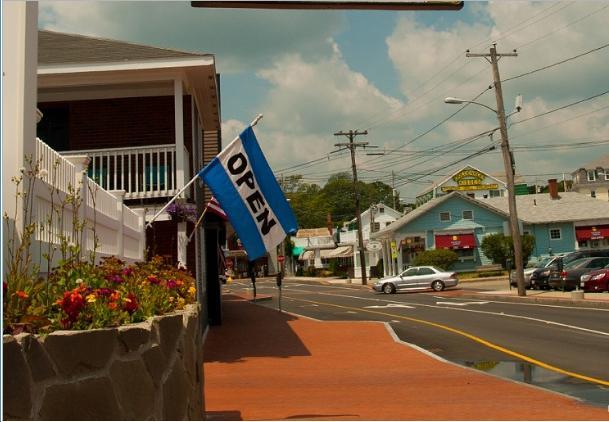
(459, 222)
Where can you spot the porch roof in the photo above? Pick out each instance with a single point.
(77, 61)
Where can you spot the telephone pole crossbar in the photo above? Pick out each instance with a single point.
(508, 161)
(352, 145)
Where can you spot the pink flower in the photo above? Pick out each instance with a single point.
(127, 272)
(130, 304)
(171, 284)
(115, 278)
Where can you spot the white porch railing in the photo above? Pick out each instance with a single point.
(119, 230)
(142, 172)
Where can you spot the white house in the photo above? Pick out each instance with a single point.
(374, 219)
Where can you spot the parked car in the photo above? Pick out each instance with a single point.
(539, 278)
(569, 278)
(546, 262)
(595, 281)
(417, 278)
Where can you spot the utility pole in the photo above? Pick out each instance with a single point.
(360, 238)
(508, 162)
(393, 188)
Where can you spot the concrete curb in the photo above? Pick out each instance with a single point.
(585, 303)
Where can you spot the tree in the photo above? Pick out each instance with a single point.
(499, 248)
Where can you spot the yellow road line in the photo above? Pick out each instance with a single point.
(471, 337)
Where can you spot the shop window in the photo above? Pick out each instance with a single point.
(468, 215)
(495, 193)
(376, 226)
(465, 254)
(591, 175)
(445, 216)
(606, 174)
(593, 193)
(555, 234)
(381, 210)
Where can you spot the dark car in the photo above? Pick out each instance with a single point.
(539, 278)
(595, 281)
(569, 278)
(528, 272)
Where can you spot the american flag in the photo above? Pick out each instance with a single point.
(214, 206)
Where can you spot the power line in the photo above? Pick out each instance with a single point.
(560, 108)
(556, 64)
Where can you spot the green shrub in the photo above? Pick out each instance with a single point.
(499, 248)
(441, 258)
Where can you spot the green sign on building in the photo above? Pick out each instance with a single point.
(521, 189)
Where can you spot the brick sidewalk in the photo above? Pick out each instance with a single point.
(262, 364)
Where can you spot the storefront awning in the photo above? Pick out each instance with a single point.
(455, 241)
(592, 233)
(340, 252)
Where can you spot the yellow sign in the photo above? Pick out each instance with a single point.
(470, 187)
(469, 179)
(394, 249)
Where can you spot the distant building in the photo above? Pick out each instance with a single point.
(559, 222)
(374, 219)
(593, 179)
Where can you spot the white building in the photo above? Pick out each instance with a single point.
(593, 179)
(375, 218)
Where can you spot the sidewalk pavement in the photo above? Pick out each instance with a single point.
(261, 364)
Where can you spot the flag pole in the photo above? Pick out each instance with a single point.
(254, 122)
(197, 224)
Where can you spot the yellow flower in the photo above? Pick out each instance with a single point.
(91, 298)
(181, 302)
(192, 290)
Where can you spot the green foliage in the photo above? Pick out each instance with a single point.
(499, 248)
(441, 258)
(312, 204)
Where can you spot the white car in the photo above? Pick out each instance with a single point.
(417, 278)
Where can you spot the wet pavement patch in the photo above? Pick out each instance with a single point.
(594, 394)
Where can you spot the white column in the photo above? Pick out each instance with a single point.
(400, 263)
(317, 258)
(182, 244)
(384, 254)
(120, 246)
(179, 132)
(19, 67)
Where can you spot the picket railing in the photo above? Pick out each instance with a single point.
(142, 172)
(110, 227)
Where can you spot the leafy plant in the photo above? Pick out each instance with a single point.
(441, 258)
(499, 248)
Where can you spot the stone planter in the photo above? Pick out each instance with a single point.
(151, 370)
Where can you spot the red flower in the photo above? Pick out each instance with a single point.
(72, 303)
(171, 284)
(153, 279)
(130, 304)
(22, 294)
(127, 272)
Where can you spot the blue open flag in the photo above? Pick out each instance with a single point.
(245, 186)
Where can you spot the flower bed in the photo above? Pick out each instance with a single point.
(82, 296)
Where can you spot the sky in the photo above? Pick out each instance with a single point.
(314, 73)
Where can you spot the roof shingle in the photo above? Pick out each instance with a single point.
(56, 48)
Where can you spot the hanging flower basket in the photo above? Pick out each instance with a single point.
(182, 212)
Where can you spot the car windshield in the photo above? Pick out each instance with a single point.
(578, 263)
(544, 262)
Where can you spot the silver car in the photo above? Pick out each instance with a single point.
(417, 278)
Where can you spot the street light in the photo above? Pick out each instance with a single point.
(509, 176)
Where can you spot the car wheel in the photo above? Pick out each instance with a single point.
(437, 285)
(388, 288)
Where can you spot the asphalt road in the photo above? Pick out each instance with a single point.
(558, 347)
